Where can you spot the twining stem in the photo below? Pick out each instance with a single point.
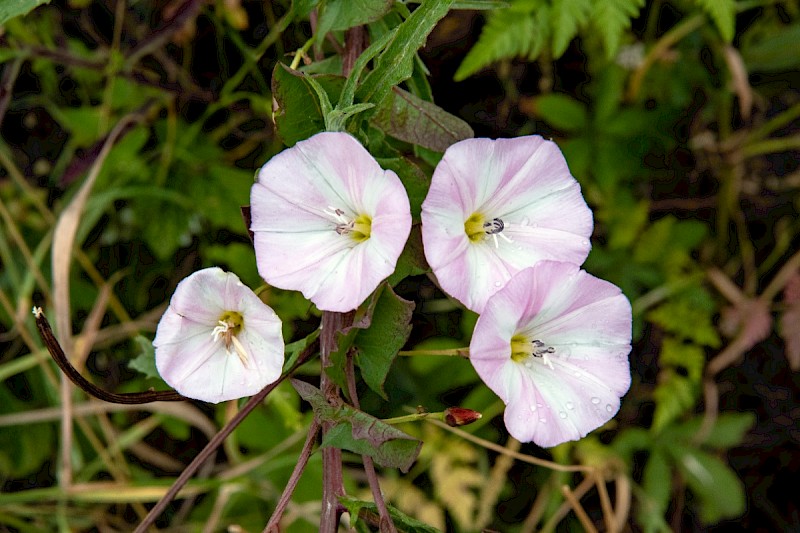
(302, 461)
(386, 523)
(216, 442)
(332, 483)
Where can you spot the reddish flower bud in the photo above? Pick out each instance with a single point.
(459, 416)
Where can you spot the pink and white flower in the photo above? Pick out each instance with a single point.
(553, 344)
(217, 340)
(328, 221)
(497, 206)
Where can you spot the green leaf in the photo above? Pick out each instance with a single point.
(688, 357)
(378, 344)
(145, 362)
(719, 489)
(299, 114)
(688, 316)
(728, 431)
(396, 63)
(513, 32)
(674, 396)
(723, 13)
(480, 4)
(409, 118)
(293, 350)
(657, 485)
(361, 433)
(415, 180)
(562, 111)
(765, 49)
(401, 520)
(302, 8)
(344, 14)
(567, 16)
(14, 8)
(378, 44)
(631, 440)
(611, 18)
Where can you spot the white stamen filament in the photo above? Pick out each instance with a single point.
(224, 331)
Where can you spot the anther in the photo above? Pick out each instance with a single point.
(493, 226)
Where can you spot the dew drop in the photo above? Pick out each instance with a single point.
(543, 420)
(609, 408)
(562, 414)
(577, 374)
(533, 408)
(526, 221)
(595, 400)
(498, 283)
(584, 243)
(570, 405)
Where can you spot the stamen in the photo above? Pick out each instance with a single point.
(493, 226)
(522, 349)
(227, 332)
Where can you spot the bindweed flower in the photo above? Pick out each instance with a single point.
(328, 221)
(553, 344)
(217, 340)
(497, 206)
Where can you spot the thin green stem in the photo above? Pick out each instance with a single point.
(771, 146)
(298, 55)
(414, 418)
(453, 352)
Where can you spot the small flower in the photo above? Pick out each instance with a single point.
(217, 340)
(497, 206)
(554, 344)
(328, 221)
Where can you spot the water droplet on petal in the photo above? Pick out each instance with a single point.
(584, 243)
(498, 283)
(562, 414)
(543, 420)
(526, 221)
(533, 408)
(570, 405)
(609, 408)
(595, 400)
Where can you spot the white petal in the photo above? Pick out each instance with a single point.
(296, 242)
(196, 363)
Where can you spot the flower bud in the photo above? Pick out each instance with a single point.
(459, 416)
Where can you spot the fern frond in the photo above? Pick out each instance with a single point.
(723, 13)
(611, 18)
(519, 31)
(566, 18)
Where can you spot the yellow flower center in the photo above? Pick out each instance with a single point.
(522, 349)
(230, 325)
(359, 229)
(477, 227)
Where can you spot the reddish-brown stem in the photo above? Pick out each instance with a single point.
(332, 483)
(355, 42)
(386, 523)
(302, 461)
